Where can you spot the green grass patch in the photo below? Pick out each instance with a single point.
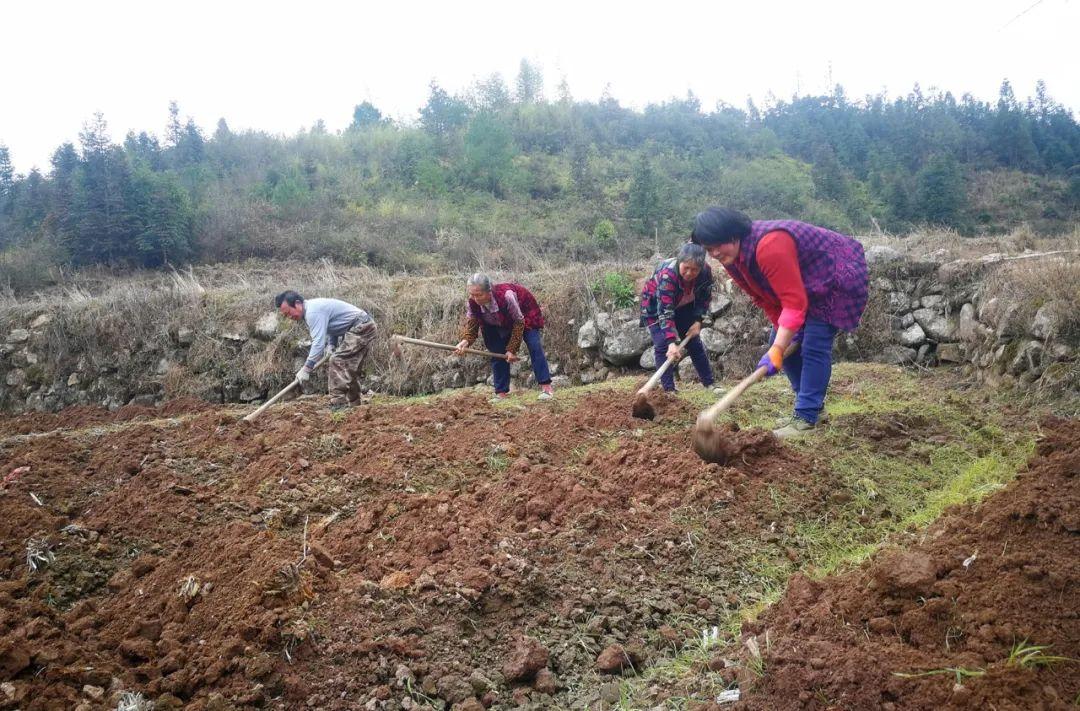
(903, 448)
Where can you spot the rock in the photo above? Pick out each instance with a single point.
(615, 658)
(626, 340)
(266, 326)
(526, 658)
(546, 683)
(163, 366)
(185, 336)
(648, 359)
(1028, 358)
(15, 378)
(950, 353)
(719, 304)
(936, 325)
(906, 573)
(454, 688)
(967, 331)
(588, 335)
(716, 342)
(1048, 320)
(933, 301)
(18, 335)
(911, 336)
(480, 683)
(896, 355)
(1003, 317)
(897, 301)
(881, 254)
(687, 372)
(923, 356)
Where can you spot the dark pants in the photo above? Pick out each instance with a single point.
(496, 340)
(684, 319)
(810, 368)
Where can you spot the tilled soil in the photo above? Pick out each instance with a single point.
(933, 626)
(446, 553)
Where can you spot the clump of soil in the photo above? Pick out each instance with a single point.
(727, 443)
(934, 626)
(656, 403)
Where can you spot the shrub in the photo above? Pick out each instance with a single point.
(617, 288)
(604, 234)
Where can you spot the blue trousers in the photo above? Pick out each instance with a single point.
(496, 340)
(810, 368)
(684, 319)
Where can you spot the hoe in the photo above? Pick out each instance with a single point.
(709, 441)
(642, 408)
(398, 340)
(287, 389)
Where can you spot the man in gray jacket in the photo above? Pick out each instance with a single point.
(349, 331)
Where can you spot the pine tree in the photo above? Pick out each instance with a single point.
(365, 115)
(7, 181)
(443, 114)
(530, 83)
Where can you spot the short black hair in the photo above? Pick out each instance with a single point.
(720, 225)
(290, 297)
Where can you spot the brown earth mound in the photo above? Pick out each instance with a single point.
(934, 627)
(307, 559)
(90, 415)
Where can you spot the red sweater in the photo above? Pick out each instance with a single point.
(778, 260)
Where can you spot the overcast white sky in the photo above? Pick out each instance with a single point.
(280, 66)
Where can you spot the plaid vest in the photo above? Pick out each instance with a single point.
(530, 309)
(832, 265)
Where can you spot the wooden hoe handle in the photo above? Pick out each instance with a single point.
(651, 382)
(724, 403)
(284, 391)
(447, 347)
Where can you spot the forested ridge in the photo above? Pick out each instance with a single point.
(505, 176)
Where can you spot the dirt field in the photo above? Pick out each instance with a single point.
(449, 552)
(982, 613)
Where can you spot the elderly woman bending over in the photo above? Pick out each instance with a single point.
(507, 314)
(673, 303)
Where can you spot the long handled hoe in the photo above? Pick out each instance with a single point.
(642, 408)
(397, 340)
(287, 389)
(708, 439)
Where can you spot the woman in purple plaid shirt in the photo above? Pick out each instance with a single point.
(810, 281)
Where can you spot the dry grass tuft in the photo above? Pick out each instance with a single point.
(1032, 284)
